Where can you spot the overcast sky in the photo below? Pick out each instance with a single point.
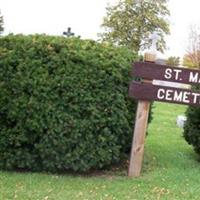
(85, 16)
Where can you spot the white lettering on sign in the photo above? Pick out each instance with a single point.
(168, 95)
(161, 94)
(177, 72)
(170, 73)
(178, 96)
(194, 77)
(186, 96)
(195, 95)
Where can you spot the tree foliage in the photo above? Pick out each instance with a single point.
(1, 23)
(173, 61)
(192, 57)
(192, 60)
(64, 103)
(130, 23)
(192, 126)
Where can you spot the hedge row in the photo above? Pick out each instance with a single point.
(63, 103)
(192, 125)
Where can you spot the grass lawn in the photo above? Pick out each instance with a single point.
(170, 171)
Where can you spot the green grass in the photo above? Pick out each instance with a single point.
(170, 171)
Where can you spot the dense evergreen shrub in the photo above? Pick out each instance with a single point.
(192, 126)
(63, 103)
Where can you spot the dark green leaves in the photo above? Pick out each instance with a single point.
(63, 103)
(192, 126)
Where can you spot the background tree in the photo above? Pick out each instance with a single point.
(173, 61)
(192, 57)
(1, 23)
(130, 23)
(190, 60)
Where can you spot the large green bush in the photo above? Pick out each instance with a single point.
(63, 103)
(192, 126)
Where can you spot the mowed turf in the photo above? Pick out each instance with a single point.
(170, 171)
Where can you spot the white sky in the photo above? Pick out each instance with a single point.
(85, 16)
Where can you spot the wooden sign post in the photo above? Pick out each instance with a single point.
(137, 149)
(146, 92)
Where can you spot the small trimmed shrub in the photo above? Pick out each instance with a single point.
(63, 103)
(192, 126)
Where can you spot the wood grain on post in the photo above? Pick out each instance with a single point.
(137, 149)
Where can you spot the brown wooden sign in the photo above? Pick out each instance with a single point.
(146, 91)
(152, 71)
